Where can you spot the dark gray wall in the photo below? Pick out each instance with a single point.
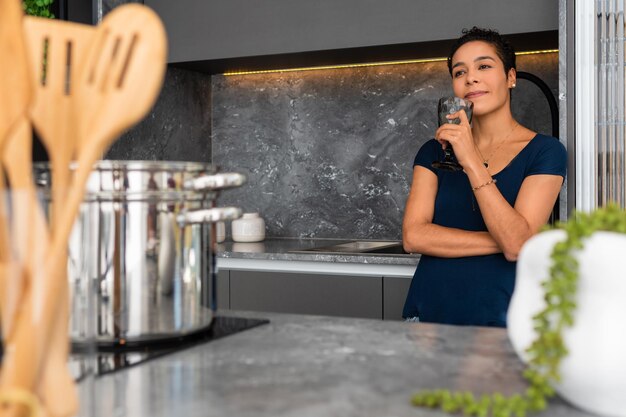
(329, 152)
(217, 29)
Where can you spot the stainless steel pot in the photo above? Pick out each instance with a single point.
(142, 248)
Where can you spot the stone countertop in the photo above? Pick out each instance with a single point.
(281, 249)
(318, 366)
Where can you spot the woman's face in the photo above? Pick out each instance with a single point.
(478, 75)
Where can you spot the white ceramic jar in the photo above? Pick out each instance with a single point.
(249, 228)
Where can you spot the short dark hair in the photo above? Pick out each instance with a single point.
(504, 50)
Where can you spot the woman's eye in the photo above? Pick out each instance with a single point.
(458, 73)
(484, 66)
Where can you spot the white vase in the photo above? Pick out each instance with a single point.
(249, 228)
(594, 372)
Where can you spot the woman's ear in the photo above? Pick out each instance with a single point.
(512, 78)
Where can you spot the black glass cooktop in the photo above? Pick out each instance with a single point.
(114, 357)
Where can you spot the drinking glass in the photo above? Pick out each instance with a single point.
(446, 106)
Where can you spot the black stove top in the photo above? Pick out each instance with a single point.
(115, 357)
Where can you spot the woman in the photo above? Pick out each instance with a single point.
(469, 225)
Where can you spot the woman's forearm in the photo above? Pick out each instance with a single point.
(507, 227)
(446, 242)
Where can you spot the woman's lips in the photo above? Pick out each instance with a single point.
(475, 94)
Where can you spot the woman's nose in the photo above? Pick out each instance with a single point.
(471, 78)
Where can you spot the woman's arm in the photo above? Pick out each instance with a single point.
(420, 235)
(510, 226)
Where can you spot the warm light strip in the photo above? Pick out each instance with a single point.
(370, 64)
(545, 51)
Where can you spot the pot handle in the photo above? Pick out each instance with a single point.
(212, 215)
(215, 181)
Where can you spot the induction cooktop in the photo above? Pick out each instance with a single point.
(108, 358)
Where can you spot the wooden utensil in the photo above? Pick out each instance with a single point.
(57, 389)
(118, 84)
(15, 91)
(29, 231)
(55, 49)
(15, 94)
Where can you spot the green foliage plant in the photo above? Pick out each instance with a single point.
(40, 8)
(547, 350)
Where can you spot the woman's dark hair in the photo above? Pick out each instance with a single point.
(503, 49)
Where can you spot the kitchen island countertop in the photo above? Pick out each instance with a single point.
(318, 366)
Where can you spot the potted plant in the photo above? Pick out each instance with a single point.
(565, 320)
(39, 8)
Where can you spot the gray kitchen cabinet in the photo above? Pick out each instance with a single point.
(302, 293)
(223, 289)
(219, 35)
(394, 295)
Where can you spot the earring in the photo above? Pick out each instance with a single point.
(513, 86)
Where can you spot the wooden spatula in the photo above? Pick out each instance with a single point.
(119, 83)
(56, 49)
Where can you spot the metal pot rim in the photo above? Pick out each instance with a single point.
(133, 165)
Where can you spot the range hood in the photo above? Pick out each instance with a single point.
(229, 35)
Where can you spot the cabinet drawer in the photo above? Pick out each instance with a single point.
(332, 295)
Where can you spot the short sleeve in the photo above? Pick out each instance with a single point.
(427, 154)
(551, 158)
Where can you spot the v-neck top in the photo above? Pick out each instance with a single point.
(473, 290)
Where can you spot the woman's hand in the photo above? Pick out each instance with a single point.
(461, 139)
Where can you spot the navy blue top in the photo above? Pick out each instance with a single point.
(473, 290)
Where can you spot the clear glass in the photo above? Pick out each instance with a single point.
(446, 106)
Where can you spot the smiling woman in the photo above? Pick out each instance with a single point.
(470, 225)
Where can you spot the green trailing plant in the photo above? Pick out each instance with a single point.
(39, 8)
(547, 350)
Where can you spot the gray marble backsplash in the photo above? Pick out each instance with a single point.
(329, 153)
(178, 128)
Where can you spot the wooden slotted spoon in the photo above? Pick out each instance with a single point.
(118, 84)
(56, 48)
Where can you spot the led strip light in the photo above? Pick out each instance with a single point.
(370, 64)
